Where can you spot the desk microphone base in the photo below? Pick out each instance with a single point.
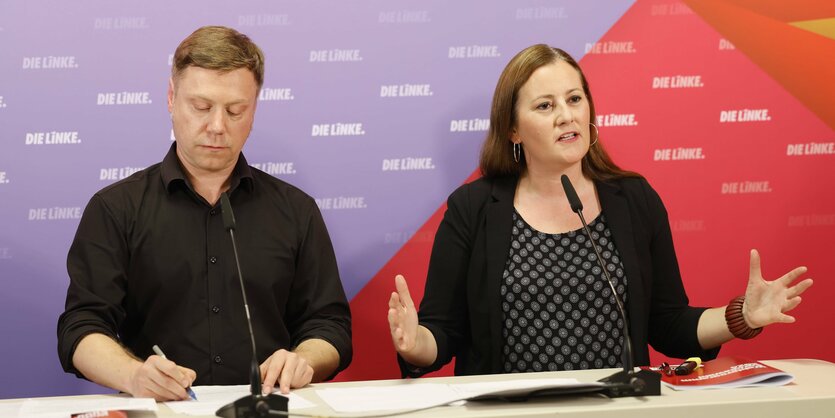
(640, 383)
(254, 406)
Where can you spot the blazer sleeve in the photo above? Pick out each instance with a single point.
(673, 322)
(443, 310)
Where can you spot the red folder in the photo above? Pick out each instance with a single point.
(727, 372)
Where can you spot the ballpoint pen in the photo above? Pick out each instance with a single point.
(159, 352)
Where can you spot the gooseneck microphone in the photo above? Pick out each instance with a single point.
(256, 404)
(626, 382)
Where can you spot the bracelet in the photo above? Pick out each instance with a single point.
(736, 321)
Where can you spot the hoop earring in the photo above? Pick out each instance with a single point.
(597, 137)
(517, 152)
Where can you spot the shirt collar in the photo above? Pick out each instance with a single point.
(172, 172)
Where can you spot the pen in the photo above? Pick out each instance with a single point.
(159, 352)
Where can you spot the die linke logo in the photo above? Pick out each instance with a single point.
(541, 13)
(401, 237)
(745, 187)
(687, 225)
(4, 178)
(677, 82)
(275, 95)
(469, 125)
(2, 103)
(54, 213)
(408, 164)
(815, 219)
(121, 23)
(52, 138)
(50, 62)
(744, 115)
(670, 9)
(726, 45)
(276, 168)
(404, 16)
(264, 20)
(611, 47)
(123, 98)
(337, 129)
(341, 202)
(617, 119)
(474, 51)
(117, 173)
(335, 55)
(406, 90)
(811, 148)
(677, 154)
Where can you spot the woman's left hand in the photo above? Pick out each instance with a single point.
(767, 302)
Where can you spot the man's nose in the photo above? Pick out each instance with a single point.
(217, 121)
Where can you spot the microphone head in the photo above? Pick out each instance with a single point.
(226, 208)
(571, 194)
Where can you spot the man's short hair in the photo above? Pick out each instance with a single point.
(219, 48)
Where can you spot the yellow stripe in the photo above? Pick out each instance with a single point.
(824, 27)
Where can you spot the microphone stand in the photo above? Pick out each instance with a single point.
(254, 405)
(627, 382)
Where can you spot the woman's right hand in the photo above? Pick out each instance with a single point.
(403, 319)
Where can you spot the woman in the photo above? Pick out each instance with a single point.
(513, 283)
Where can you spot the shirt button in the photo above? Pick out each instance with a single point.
(218, 360)
(212, 212)
(213, 259)
(216, 309)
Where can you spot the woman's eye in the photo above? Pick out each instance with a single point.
(575, 99)
(544, 106)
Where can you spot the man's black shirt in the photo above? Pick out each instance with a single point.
(151, 263)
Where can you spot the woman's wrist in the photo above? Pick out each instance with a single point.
(737, 323)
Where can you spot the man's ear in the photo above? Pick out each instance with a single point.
(171, 95)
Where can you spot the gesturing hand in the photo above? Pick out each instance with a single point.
(402, 316)
(767, 302)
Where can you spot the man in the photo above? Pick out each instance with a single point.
(151, 263)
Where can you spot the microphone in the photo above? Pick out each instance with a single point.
(626, 382)
(256, 404)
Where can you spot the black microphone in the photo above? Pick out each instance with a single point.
(256, 404)
(626, 382)
(570, 193)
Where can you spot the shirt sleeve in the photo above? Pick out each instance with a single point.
(317, 306)
(98, 281)
(673, 323)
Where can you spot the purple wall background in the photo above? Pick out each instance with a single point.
(112, 47)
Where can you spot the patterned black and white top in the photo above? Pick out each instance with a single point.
(558, 310)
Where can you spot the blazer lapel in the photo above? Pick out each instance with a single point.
(618, 217)
(499, 224)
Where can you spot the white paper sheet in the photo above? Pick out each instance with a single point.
(415, 395)
(210, 398)
(518, 386)
(64, 407)
(376, 398)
